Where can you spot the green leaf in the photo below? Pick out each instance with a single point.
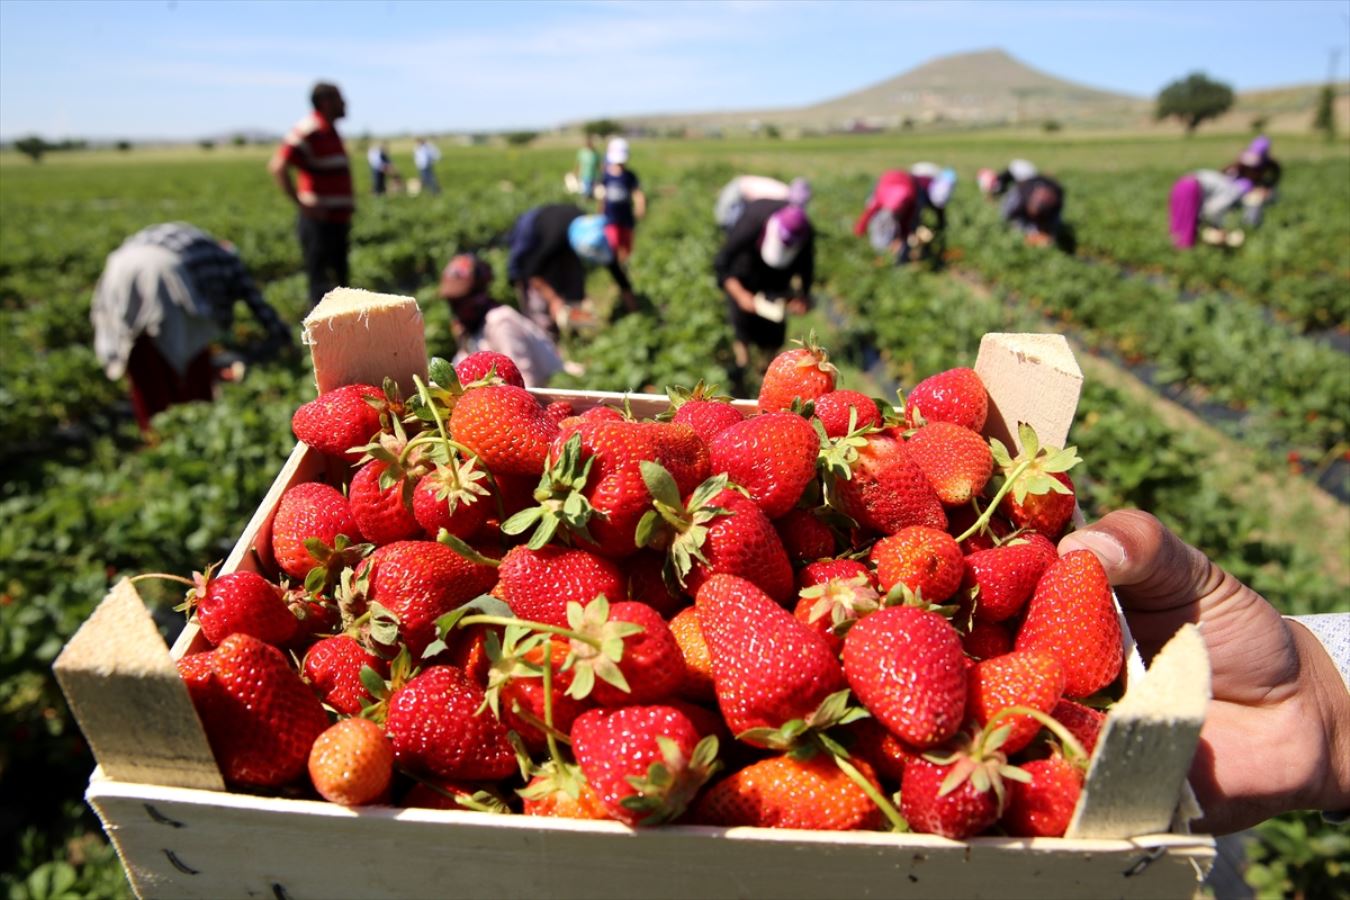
(661, 484)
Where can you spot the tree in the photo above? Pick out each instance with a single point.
(207, 144)
(1194, 99)
(520, 138)
(1325, 118)
(32, 147)
(602, 127)
(124, 146)
(239, 140)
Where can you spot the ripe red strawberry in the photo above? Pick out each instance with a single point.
(772, 456)
(837, 408)
(420, 581)
(999, 581)
(333, 668)
(1043, 806)
(904, 664)
(484, 363)
(833, 605)
(985, 640)
(768, 668)
(645, 762)
(506, 427)
(885, 490)
(517, 680)
(961, 812)
(1083, 722)
(698, 673)
(956, 460)
(652, 663)
(648, 584)
(1046, 513)
(538, 584)
(1020, 678)
(567, 797)
(956, 395)
(197, 671)
(384, 514)
(825, 570)
(925, 560)
(805, 537)
(1073, 617)
(559, 410)
(452, 497)
(436, 726)
(259, 717)
(785, 792)
(1038, 493)
(352, 763)
(339, 420)
(703, 410)
(885, 752)
(309, 510)
(243, 603)
(439, 793)
(802, 373)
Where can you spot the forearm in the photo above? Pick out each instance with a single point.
(281, 174)
(741, 296)
(545, 290)
(1329, 788)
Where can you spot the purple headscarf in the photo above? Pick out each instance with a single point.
(1257, 151)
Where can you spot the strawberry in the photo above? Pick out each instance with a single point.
(954, 799)
(516, 689)
(440, 793)
(1020, 678)
(647, 583)
(956, 460)
(342, 421)
(486, 365)
(805, 537)
(956, 395)
(925, 562)
(1045, 513)
(538, 584)
(1001, 580)
(381, 503)
(244, 603)
(986, 640)
(833, 605)
(1083, 722)
(772, 456)
(697, 684)
(802, 373)
(1037, 493)
(652, 664)
(352, 763)
(198, 671)
(703, 410)
(825, 570)
(904, 665)
(872, 480)
(568, 796)
(885, 752)
(332, 667)
(259, 717)
(420, 581)
(559, 410)
(645, 762)
(505, 427)
(1043, 806)
(840, 412)
(1073, 617)
(438, 727)
(768, 668)
(786, 792)
(309, 511)
(452, 497)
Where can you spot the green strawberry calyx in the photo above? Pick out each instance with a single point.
(1030, 472)
(665, 791)
(671, 525)
(833, 711)
(563, 506)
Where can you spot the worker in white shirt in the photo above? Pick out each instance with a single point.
(425, 157)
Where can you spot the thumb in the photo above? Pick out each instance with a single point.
(1151, 568)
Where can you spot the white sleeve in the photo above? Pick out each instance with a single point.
(1333, 631)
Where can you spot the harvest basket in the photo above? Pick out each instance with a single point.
(179, 833)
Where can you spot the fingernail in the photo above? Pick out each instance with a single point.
(1106, 548)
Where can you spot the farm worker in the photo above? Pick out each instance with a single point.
(165, 295)
(935, 189)
(747, 188)
(549, 247)
(380, 167)
(1198, 205)
(623, 203)
(889, 217)
(1276, 732)
(587, 170)
(1257, 166)
(425, 157)
(1034, 206)
(772, 244)
(481, 323)
(1017, 172)
(322, 191)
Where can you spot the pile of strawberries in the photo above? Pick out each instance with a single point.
(827, 614)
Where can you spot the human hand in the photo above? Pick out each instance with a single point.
(1277, 732)
(799, 306)
(748, 301)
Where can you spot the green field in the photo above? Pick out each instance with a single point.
(1254, 341)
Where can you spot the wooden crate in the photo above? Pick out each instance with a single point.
(181, 834)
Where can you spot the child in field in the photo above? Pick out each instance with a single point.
(623, 203)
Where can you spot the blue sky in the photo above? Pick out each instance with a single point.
(182, 69)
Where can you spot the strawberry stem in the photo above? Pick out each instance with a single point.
(1073, 750)
(178, 578)
(887, 808)
(983, 520)
(535, 626)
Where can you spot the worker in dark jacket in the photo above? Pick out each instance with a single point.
(765, 268)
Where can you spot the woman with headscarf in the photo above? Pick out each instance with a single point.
(1260, 168)
(1200, 202)
(890, 215)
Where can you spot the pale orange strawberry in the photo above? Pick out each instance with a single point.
(698, 675)
(352, 763)
(788, 792)
(802, 373)
(926, 561)
(1073, 617)
(1021, 678)
(956, 395)
(956, 460)
(505, 427)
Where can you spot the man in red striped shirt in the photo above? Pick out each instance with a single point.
(322, 190)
